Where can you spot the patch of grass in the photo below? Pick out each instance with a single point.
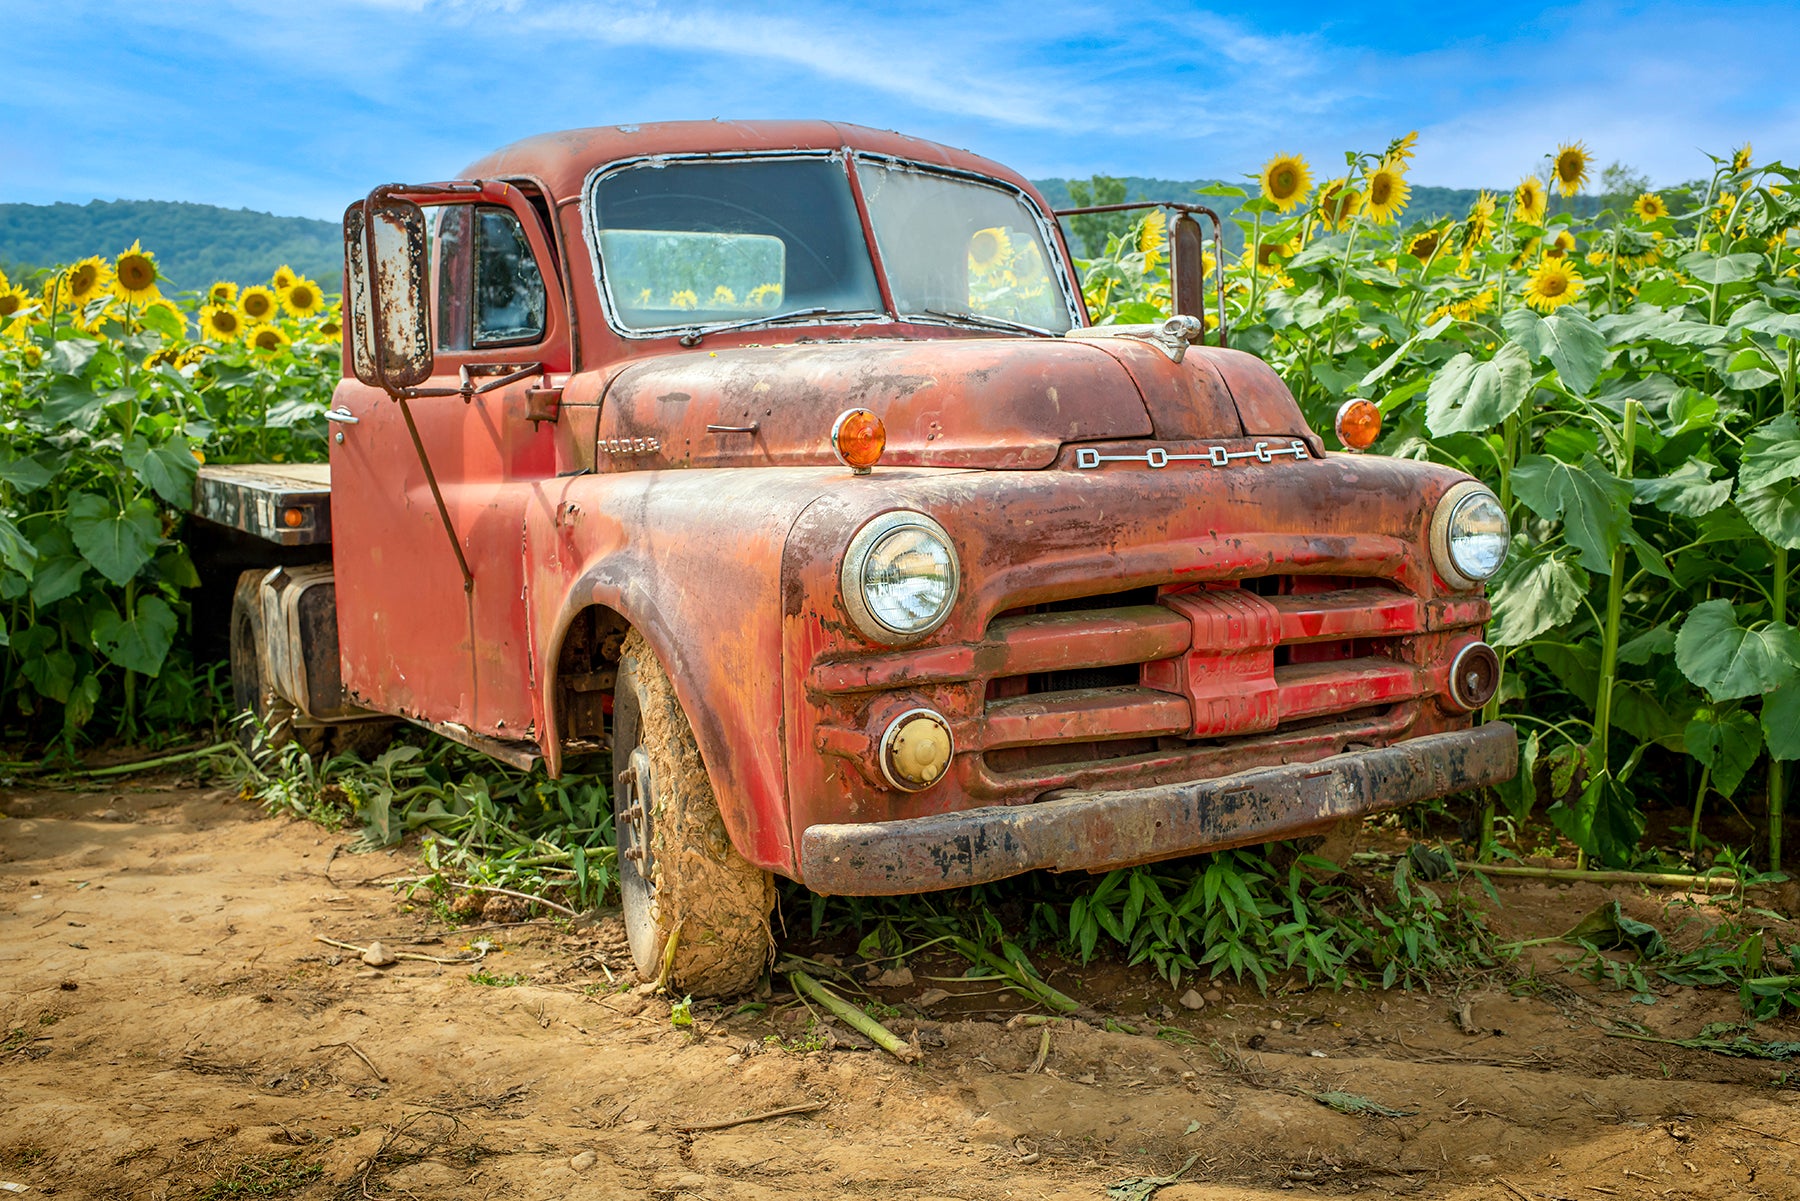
(482, 976)
(271, 1176)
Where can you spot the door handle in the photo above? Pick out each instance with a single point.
(342, 416)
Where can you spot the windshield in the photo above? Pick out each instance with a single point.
(955, 247)
(718, 241)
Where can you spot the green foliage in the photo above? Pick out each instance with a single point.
(107, 412)
(196, 243)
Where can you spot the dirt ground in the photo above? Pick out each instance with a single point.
(174, 1029)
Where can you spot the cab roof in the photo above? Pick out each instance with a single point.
(562, 161)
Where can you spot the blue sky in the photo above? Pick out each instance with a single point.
(296, 108)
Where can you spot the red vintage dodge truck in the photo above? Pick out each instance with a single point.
(780, 463)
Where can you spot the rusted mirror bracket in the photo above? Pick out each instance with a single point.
(1185, 246)
(437, 495)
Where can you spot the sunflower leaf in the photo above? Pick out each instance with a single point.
(1781, 722)
(1729, 661)
(170, 469)
(1774, 512)
(1470, 396)
(141, 643)
(1728, 744)
(1771, 453)
(1592, 503)
(1721, 269)
(1604, 820)
(1689, 490)
(1570, 341)
(118, 543)
(1535, 594)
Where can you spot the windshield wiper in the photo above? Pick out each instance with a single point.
(984, 322)
(692, 336)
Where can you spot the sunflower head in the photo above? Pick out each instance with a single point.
(1269, 255)
(1479, 225)
(331, 327)
(1530, 200)
(302, 298)
(988, 249)
(1741, 157)
(284, 275)
(86, 280)
(1400, 150)
(684, 299)
(1338, 202)
(222, 292)
(1561, 244)
(221, 323)
(723, 297)
(257, 303)
(13, 301)
(1424, 245)
(1286, 181)
(1571, 167)
(1553, 284)
(765, 296)
(267, 339)
(1388, 192)
(1649, 207)
(134, 275)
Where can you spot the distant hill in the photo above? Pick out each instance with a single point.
(194, 244)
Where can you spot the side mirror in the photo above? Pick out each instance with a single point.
(385, 268)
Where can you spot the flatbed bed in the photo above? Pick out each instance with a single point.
(285, 503)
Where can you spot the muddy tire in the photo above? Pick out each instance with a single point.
(251, 693)
(678, 870)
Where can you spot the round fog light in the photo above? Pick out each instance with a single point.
(916, 749)
(1474, 674)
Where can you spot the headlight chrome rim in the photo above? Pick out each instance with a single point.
(1443, 523)
(856, 558)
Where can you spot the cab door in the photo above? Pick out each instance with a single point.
(417, 636)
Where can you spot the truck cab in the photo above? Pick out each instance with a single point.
(781, 465)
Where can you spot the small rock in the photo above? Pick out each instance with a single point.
(334, 960)
(1191, 999)
(1276, 1025)
(1213, 996)
(368, 973)
(584, 1161)
(378, 956)
(895, 977)
(930, 997)
(731, 1061)
(646, 988)
(631, 1004)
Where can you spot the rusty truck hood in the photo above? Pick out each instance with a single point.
(1001, 402)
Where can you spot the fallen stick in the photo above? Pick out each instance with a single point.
(727, 1123)
(350, 946)
(1037, 1065)
(1514, 1189)
(1574, 875)
(859, 1021)
(356, 1051)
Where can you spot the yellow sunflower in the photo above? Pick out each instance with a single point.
(1571, 167)
(284, 275)
(86, 280)
(222, 292)
(1560, 245)
(1338, 202)
(267, 338)
(684, 299)
(1740, 158)
(171, 308)
(988, 249)
(1479, 225)
(723, 297)
(1424, 245)
(1269, 255)
(1400, 150)
(1286, 181)
(221, 322)
(302, 298)
(1650, 206)
(1152, 232)
(13, 301)
(1530, 201)
(765, 296)
(134, 276)
(331, 327)
(257, 303)
(1553, 284)
(1388, 192)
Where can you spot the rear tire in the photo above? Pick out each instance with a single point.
(679, 873)
(250, 692)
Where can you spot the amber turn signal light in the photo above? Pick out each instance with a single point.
(858, 438)
(1358, 424)
(293, 518)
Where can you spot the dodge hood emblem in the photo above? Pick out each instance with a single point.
(1213, 456)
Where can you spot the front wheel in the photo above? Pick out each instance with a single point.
(679, 875)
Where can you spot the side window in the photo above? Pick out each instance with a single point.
(489, 289)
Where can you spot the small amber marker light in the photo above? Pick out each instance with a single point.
(293, 519)
(858, 438)
(1358, 424)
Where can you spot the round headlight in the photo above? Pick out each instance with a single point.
(1469, 535)
(900, 577)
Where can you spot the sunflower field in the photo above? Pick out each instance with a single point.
(111, 396)
(1626, 382)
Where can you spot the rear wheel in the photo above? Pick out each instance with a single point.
(280, 721)
(679, 875)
